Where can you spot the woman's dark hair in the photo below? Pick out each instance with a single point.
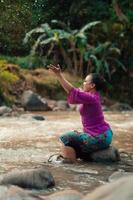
(99, 81)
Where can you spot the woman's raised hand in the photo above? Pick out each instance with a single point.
(55, 69)
(64, 83)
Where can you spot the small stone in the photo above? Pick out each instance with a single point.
(37, 117)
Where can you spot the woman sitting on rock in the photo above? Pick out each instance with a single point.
(97, 134)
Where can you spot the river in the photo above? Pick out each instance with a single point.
(28, 143)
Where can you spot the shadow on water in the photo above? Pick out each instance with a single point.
(27, 143)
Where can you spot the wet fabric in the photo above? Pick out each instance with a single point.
(84, 143)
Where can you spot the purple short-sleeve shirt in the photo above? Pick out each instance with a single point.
(90, 110)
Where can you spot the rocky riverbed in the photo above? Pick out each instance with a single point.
(27, 143)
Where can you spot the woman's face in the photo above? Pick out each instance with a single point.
(87, 84)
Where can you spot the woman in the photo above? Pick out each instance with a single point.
(97, 133)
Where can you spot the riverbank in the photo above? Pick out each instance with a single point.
(16, 81)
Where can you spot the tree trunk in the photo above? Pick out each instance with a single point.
(119, 13)
(75, 59)
(75, 63)
(67, 60)
(81, 65)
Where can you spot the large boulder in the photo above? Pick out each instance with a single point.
(121, 189)
(107, 155)
(33, 102)
(31, 178)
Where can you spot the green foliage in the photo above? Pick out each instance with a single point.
(26, 62)
(14, 21)
(104, 58)
(64, 43)
(7, 78)
(74, 47)
(19, 17)
(2, 62)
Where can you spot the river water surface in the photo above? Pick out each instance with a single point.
(28, 143)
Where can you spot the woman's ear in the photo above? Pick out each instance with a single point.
(92, 85)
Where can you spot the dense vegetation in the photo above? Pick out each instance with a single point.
(105, 45)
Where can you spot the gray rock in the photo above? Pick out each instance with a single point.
(105, 108)
(62, 105)
(107, 155)
(65, 195)
(73, 107)
(1, 102)
(121, 107)
(31, 178)
(118, 174)
(14, 193)
(121, 189)
(5, 110)
(33, 102)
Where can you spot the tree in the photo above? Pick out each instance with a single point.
(75, 49)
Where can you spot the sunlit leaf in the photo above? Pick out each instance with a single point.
(47, 41)
(90, 25)
(29, 34)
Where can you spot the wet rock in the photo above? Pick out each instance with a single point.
(14, 113)
(118, 174)
(73, 107)
(15, 193)
(52, 103)
(105, 108)
(38, 117)
(33, 102)
(81, 171)
(31, 178)
(107, 155)
(1, 102)
(124, 155)
(61, 105)
(120, 107)
(65, 195)
(5, 110)
(107, 101)
(121, 189)
(17, 109)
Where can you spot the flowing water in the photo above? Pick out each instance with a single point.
(28, 143)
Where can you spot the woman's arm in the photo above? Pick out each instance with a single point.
(64, 83)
